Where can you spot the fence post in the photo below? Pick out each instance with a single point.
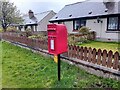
(85, 53)
(109, 61)
(104, 57)
(94, 56)
(89, 54)
(99, 56)
(81, 53)
(116, 61)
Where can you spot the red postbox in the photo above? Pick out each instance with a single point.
(57, 38)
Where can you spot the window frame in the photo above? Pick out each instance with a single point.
(118, 23)
(118, 29)
(79, 20)
(61, 22)
(74, 24)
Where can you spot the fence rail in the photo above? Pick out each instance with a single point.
(34, 43)
(99, 57)
(104, 58)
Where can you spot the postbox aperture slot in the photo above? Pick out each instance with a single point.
(52, 32)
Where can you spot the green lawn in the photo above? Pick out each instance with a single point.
(102, 45)
(0, 65)
(22, 68)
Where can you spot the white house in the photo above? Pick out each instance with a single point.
(36, 22)
(103, 17)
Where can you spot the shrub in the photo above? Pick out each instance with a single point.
(84, 30)
(38, 36)
(83, 36)
(12, 29)
(71, 39)
(27, 32)
(91, 35)
(32, 37)
(1, 30)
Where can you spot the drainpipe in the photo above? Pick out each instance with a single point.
(100, 21)
(101, 29)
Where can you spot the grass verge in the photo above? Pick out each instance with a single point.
(22, 68)
(114, 46)
(0, 65)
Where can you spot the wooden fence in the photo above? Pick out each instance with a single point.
(104, 58)
(99, 57)
(33, 43)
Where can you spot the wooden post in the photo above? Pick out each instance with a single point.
(58, 67)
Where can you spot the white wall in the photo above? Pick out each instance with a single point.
(119, 6)
(55, 22)
(42, 25)
(69, 25)
(101, 29)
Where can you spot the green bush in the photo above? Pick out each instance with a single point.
(38, 36)
(12, 29)
(1, 30)
(71, 39)
(32, 37)
(84, 30)
(83, 40)
(27, 32)
(86, 35)
(91, 35)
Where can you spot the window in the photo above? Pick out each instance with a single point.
(60, 22)
(119, 23)
(113, 24)
(78, 24)
(21, 26)
(83, 23)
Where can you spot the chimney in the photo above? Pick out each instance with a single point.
(31, 14)
(109, 4)
(106, 1)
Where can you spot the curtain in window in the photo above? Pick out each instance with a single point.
(113, 23)
(76, 24)
(79, 23)
(119, 23)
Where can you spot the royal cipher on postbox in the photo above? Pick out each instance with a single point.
(57, 38)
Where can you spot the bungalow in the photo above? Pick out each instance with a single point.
(36, 22)
(103, 17)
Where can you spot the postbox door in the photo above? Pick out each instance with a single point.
(52, 43)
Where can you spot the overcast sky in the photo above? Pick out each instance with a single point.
(38, 6)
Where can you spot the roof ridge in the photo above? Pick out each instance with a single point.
(43, 12)
(26, 15)
(86, 1)
(77, 2)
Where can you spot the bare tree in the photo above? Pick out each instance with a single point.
(9, 14)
